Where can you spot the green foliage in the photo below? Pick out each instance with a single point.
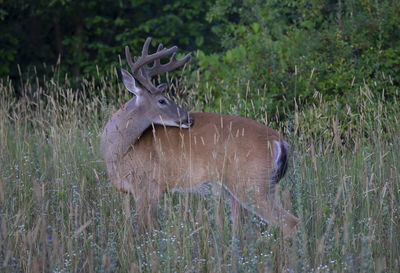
(294, 48)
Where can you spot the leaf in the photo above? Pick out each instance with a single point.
(255, 27)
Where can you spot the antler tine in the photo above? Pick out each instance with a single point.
(143, 74)
(157, 61)
(135, 68)
(145, 50)
(129, 59)
(144, 59)
(173, 64)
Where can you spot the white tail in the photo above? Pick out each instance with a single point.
(240, 156)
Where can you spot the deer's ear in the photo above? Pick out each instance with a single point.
(129, 82)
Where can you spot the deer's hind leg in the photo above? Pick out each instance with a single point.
(260, 201)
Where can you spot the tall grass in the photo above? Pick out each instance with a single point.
(59, 212)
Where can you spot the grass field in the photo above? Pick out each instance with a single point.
(59, 212)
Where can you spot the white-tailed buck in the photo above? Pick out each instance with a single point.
(152, 145)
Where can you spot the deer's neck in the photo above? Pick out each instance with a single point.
(122, 130)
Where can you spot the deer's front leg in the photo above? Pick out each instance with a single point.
(147, 196)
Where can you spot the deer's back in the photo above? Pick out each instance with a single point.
(238, 151)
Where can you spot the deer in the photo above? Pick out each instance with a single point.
(151, 146)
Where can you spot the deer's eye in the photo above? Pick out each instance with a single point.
(162, 101)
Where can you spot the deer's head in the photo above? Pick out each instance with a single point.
(150, 100)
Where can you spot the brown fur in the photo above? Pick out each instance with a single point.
(235, 152)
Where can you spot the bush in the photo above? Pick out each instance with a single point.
(292, 49)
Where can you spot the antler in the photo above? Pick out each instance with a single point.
(142, 73)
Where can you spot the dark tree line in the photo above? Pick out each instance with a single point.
(89, 33)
